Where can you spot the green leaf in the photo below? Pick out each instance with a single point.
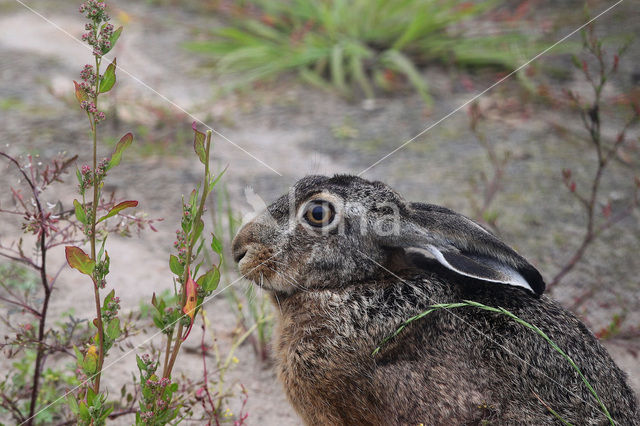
(113, 39)
(122, 144)
(209, 281)
(193, 198)
(198, 230)
(198, 144)
(102, 248)
(109, 78)
(158, 322)
(216, 245)
(108, 298)
(113, 329)
(89, 365)
(91, 396)
(73, 404)
(105, 414)
(79, 357)
(175, 266)
(118, 208)
(79, 176)
(78, 259)
(84, 411)
(141, 364)
(215, 181)
(80, 213)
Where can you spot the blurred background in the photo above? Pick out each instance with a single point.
(384, 88)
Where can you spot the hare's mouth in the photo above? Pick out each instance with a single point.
(256, 263)
(259, 264)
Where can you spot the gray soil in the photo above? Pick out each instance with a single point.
(296, 130)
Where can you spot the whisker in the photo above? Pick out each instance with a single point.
(278, 302)
(289, 279)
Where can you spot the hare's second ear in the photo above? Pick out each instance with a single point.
(479, 267)
(462, 246)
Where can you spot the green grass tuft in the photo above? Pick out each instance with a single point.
(363, 44)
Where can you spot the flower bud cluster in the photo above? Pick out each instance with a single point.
(101, 170)
(187, 218)
(87, 179)
(96, 36)
(180, 244)
(111, 310)
(89, 77)
(100, 271)
(155, 383)
(90, 107)
(147, 416)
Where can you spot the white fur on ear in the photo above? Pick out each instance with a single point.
(481, 268)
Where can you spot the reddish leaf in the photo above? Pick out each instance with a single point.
(198, 143)
(118, 208)
(78, 259)
(190, 306)
(122, 144)
(81, 95)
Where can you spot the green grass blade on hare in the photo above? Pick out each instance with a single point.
(502, 311)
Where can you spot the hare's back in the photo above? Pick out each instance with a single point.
(470, 365)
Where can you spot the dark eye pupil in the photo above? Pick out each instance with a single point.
(317, 213)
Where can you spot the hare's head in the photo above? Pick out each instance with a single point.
(333, 232)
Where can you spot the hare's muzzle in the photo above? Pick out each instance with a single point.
(252, 256)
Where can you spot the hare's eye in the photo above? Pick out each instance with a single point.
(319, 213)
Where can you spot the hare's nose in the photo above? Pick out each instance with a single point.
(239, 254)
(240, 244)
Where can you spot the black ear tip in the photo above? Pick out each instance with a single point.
(534, 279)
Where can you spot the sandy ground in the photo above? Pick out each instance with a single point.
(295, 131)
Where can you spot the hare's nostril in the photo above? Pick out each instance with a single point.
(238, 255)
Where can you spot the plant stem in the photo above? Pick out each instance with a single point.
(204, 363)
(205, 189)
(94, 210)
(167, 350)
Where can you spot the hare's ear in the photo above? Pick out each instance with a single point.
(466, 248)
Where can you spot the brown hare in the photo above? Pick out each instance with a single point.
(347, 261)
